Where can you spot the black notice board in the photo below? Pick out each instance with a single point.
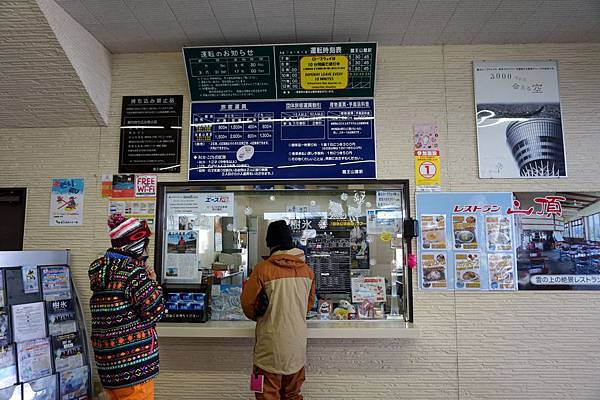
(295, 71)
(226, 73)
(151, 134)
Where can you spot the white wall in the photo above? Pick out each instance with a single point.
(543, 345)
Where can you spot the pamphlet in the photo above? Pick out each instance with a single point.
(499, 233)
(74, 384)
(30, 279)
(34, 359)
(384, 221)
(468, 270)
(45, 388)
(433, 231)
(56, 284)
(368, 288)
(29, 321)
(67, 351)
(464, 230)
(11, 393)
(66, 202)
(181, 261)
(8, 366)
(4, 328)
(501, 269)
(61, 317)
(434, 270)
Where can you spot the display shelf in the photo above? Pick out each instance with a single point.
(316, 329)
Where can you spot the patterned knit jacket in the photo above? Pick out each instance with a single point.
(125, 307)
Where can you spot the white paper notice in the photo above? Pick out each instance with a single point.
(29, 321)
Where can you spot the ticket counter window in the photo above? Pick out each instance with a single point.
(210, 238)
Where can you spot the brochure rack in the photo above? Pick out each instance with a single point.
(42, 324)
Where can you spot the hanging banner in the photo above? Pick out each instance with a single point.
(281, 71)
(66, 202)
(319, 139)
(459, 249)
(519, 123)
(151, 134)
(556, 237)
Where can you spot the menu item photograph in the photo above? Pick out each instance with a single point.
(498, 233)
(434, 270)
(464, 230)
(433, 232)
(34, 359)
(468, 270)
(501, 270)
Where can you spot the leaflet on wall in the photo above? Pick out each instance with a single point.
(434, 271)
(34, 359)
(368, 288)
(56, 283)
(318, 139)
(501, 271)
(106, 188)
(498, 229)
(45, 388)
(29, 321)
(11, 393)
(146, 185)
(5, 331)
(31, 282)
(74, 384)
(433, 232)
(66, 202)
(8, 366)
(481, 225)
(468, 270)
(519, 123)
(61, 317)
(389, 199)
(68, 351)
(464, 232)
(123, 186)
(140, 208)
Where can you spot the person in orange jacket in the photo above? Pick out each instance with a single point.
(281, 334)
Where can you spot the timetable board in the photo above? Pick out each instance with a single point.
(281, 71)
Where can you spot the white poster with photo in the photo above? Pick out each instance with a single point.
(384, 221)
(29, 321)
(519, 123)
(181, 259)
(370, 288)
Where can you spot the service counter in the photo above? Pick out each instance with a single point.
(383, 329)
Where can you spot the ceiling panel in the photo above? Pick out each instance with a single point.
(352, 20)
(166, 24)
(236, 20)
(314, 20)
(275, 19)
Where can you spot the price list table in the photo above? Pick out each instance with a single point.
(226, 132)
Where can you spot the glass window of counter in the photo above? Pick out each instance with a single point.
(209, 238)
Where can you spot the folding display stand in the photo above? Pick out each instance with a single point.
(44, 351)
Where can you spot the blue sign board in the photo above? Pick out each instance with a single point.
(307, 139)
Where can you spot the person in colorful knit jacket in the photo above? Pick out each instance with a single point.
(126, 304)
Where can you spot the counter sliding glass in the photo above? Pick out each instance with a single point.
(210, 237)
